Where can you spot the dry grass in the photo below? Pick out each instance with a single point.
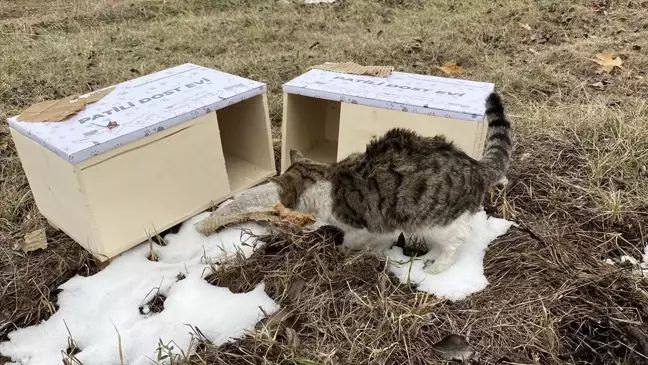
(578, 185)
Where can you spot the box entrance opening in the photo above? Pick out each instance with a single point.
(311, 126)
(244, 132)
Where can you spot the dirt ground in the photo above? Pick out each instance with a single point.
(579, 181)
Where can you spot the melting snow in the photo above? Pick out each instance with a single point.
(463, 278)
(96, 307)
(640, 267)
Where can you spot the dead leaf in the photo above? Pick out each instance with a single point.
(613, 102)
(608, 61)
(383, 282)
(112, 124)
(274, 325)
(525, 26)
(374, 262)
(454, 347)
(60, 110)
(295, 289)
(599, 85)
(114, 4)
(450, 68)
(291, 337)
(33, 241)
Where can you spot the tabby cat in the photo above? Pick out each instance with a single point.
(403, 182)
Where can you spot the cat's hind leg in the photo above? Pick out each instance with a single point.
(450, 240)
(356, 239)
(361, 239)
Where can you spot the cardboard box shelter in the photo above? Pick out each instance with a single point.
(181, 140)
(329, 115)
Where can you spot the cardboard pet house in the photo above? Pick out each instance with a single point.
(153, 152)
(329, 115)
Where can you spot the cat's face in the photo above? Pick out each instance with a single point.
(298, 177)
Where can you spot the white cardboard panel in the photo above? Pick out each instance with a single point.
(169, 180)
(412, 93)
(141, 106)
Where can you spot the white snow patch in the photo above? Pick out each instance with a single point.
(92, 307)
(639, 267)
(463, 278)
(623, 259)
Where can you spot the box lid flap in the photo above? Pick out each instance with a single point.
(138, 108)
(430, 95)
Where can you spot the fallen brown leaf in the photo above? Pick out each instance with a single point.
(607, 61)
(450, 68)
(525, 26)
(599, 85)
(274, 324)
(295, 289)
(454, 347)
(291, 337)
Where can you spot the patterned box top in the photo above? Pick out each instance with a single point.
(429, 95)
(140, 107)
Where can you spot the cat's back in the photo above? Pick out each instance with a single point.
(403, 150)
(403, 180)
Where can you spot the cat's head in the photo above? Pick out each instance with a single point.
(302, 173)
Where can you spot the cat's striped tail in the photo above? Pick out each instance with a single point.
(499, 145)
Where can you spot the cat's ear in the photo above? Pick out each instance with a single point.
(296, 156)
(277, 180)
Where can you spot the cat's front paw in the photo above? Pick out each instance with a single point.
(435, 267)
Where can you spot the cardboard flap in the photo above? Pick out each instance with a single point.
(62, 109)
(355, 69)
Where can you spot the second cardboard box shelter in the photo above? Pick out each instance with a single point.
(328, 115)
(152, 153)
